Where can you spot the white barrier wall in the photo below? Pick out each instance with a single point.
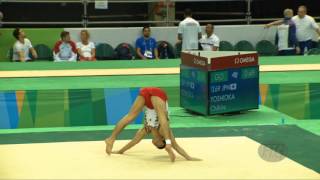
(231, 33)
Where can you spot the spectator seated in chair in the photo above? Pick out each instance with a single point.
(210, 41)
(65, 50)
(22, 48)
(86, 49)
(146, 46)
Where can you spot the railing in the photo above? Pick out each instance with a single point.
(87, 19)
(111, 1)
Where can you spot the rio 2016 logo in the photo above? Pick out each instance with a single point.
(219, 77)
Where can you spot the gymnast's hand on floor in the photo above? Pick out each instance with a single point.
(170, 152)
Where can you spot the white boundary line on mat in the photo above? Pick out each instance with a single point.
(138, 71)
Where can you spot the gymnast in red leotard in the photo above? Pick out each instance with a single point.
(154, 101)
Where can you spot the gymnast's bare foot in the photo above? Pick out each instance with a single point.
(193, 159)
(117, 152)
(109, 144)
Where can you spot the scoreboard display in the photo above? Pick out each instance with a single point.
(193, 89)
(227, 84)
(233, 89)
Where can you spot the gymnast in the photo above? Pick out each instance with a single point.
(154, 101)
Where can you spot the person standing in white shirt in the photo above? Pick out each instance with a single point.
(189, 32)
(286, 39)
(209, 41)
(85, 48)
(306, 25)
(22, 47)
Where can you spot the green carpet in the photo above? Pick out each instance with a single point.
(115, 64)
(277, 60)
(139, 81)
(266, 126)
(179, 118)
(183, 119)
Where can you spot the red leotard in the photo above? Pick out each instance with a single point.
(148, 92)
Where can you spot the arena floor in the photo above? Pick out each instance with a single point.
(259, 144)
(222, 158)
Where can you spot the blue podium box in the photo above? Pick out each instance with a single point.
(219, 82)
